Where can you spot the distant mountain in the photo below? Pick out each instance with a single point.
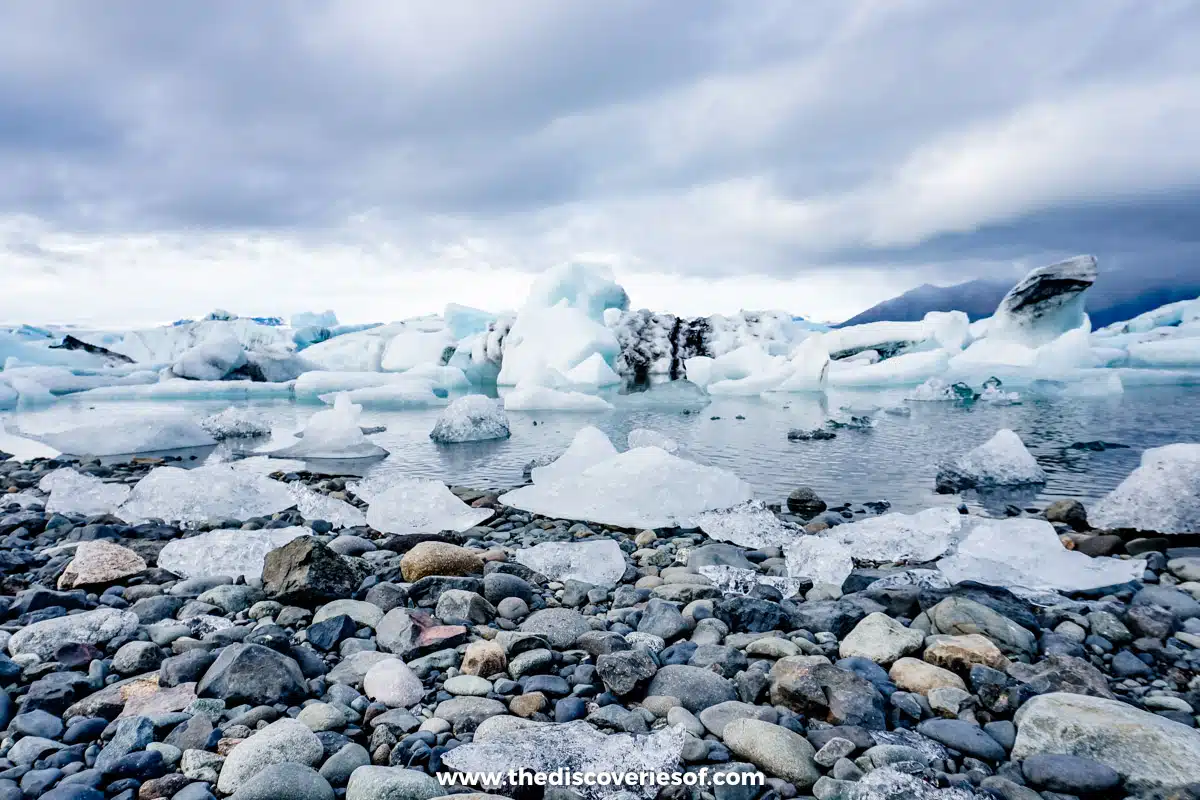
(1116, 296)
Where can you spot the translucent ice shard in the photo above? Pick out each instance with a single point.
(736, 580)
(590, 446)
(72, 492)
(750, 525)
(211, 492)
(1000, 461)
(235, 423)
(1163, 494)
(820, 559)
(642, 488)
(473, 418)
(143, 434)
(644, 437)
(314, 505)
(409, 505)
(231, 553)
(599, 562)
(1028, 553)
(902, 538)
(889, 783)
(334, 433)
(576, 747)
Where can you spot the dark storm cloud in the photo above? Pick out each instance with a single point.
(711, 137)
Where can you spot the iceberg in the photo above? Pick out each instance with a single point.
(642, 488)
(464, 321)
(903, 370)
(680, 395)
(1000, 461)
(808, 365)
(212, 359)
(361, 351)
(72, 492)
(144, 434)
(1166, 353)
(29, 393)
(589, 447)
(644, 437)
(209, 492)
(588, 287)
(751, 525)
(60, 380)
(409, 505)
(699, 370)
(314, 319)
(335, 433)
(1028, 553)
(23, 448)
(599, 562)
(314, 505)
(414, 348)
(542, 398)
(471, 418)
(225, 552)
(593, 371)
(310, 386)
(1162, 494)
(392, 396)
(180, 389)
(1046, 303)
(234, 423)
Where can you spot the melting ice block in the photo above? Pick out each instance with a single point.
(736, 580)
(821, 559)
(334, 433)
(473, 418)
(599, 562)
(231, 553)
(210, 492)
(589, 447)
(235, 423)
(1163, 494)
(409, 505)
(1028, 553)
(73, 492)
(642, 488)
(142, 434)
(1000, 461)
(644, 437)
(23, 448)
(903, 370)
(574, 746)
(543, 398)
(314, 505)
(750, 525)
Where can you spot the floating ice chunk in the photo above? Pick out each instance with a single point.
(30, 393)
(1162, 494)
(741, 363)
(392, 396)
(902, 370)
(310, 386)
(576, 747)
(680, 395)
(1046, 303)
(1170, 315)
(1028, 553)
(211, 359)
(59, 380)
(589, 447)
(992, 393)
(936, 390)
(642, 488)
(699, 370)
(543, 398)
(234, 423)
(314, 505)
(1071, 351)
(736, 580)
(144, 434)
(417, 506)
(224, 552)
(599, 562)
(1000, 461)
(560, 338)
(412, 348)
(210, 492)
(750, 525)
(644, 437)
(593, 371)
(334, 433)
(463, 321)
(361, 351)
(589, 287)
(1169, 353)
(443, 378)
(809, 366)
(73, 492)
(180, 389)
(472, 418)
(820, 559)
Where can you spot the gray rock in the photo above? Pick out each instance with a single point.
(460, 606)
(232, 598)
(961, 615)
(964, 737)
(1068, 512)
(622, 671)
(560, 626)
(392, 783)
(134, 658)
(251, 673)
(90, 627)
(465, 713)
(716, 718)
(285, 741)
(774, 749)
(285, 782)
(805, 503)
(339, 766)
(696, 688)
(1181, 604)
(133, 733)
(1071, 774)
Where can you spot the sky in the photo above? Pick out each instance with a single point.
(159, 160)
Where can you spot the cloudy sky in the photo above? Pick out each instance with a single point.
(382, 158)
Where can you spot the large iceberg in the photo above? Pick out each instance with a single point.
(642, 488)
(1046, 303)
(409, 505)
(1163, 494)
(1002, 460)
(594, 372)
(224, 552)
(335, 434)
(143, 434)
(589, 447)
(212, 359)
(599, 562)
(73, 492)
(1028, 553)
(472, 418)
(209, 492)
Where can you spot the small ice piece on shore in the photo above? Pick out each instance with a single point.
(1000, 461)
(142, 434)
(820, 559)
(472, 418)
(576, 747)
(903, 538)
(736, 580)
(543, 398)
(1028, 553)
(1162, 494)
(210, 492)
(410, 505)
(750, 525)
(73, 492)
(644, 437)
(599, 562)
(314, 505)
(234, 423)
(642, 488)
(231, 553)
(333, 433)
(590, 446)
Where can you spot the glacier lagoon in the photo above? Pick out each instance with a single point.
(894, 460)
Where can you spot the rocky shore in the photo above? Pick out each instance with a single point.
(351, 663)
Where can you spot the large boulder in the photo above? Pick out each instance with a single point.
(97, 563)
(284, 742)
(91, 627)
(305, 572)
(696, 688)
(773, 749)
(251, 673)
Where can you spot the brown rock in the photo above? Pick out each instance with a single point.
(914, 675)
(439, 558)
(1103, 545)
(164, 787)
(526, 705)
(960, 653)
(161, 701)
(484, 659)
(97, 563)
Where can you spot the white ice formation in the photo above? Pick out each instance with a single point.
(751, 525)
(73, 492)
(737, 580)
(141, 434)
(599, 562)
(589, 447)
(471, 418)
(314, 505)
(1162, 494)
(1001, 461)
(209, 492)
(231, 553)
(409, 505)
(335, 433)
